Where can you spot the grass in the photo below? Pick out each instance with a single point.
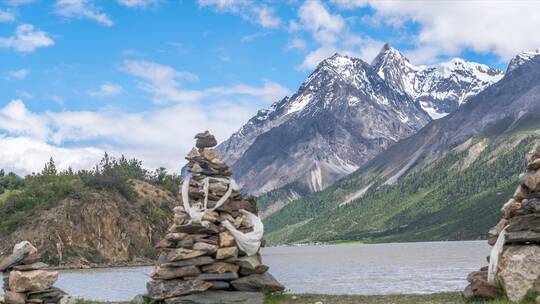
(437, 298)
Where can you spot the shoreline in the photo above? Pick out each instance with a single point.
(285, 298)
(61, 268)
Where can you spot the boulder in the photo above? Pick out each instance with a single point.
(220, 267)
(51, 295)
(203, 260)
(525, 228)
(222, 297)
(227, 252)
(13, 297)
(195, 229)
(534, 165)
(532, 205)
(20, 254)
(510, 208)
(532, 181)
(225, 276)
(480, 289)
(34, 266)
(236, 205)
(167, 273)
(521, 193)
(519, 271)
(35, 280)
(258, 282)
(205, 247)
(226, 239)
(162, 290)
(260, 269)
(220, 285)
(249, 262)
(205, 140)
(183, 254)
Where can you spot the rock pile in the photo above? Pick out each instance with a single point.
(515, 258)
(25, 280)
(211, 253)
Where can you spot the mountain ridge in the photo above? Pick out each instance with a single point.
(469, 160)
(318, 117)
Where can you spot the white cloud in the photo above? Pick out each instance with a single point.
(331, 33)
(449, 27)
(251, 37)
(6, 16)
(316, 56)
(159, 137)
(316, 19)
(163, 82)
(296, 44)
(166, 84)
(107, 89)
(24, 155)
(270, 92)
(17, 120)
(18, 74)
(266, 16)
(137, 3)
(82, 9)
(27, 39)
(249, 10)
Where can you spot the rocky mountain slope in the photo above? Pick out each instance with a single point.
(343, 115)
(439, 89)
(97, 228)
(445, 182)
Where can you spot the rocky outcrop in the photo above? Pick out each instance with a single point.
(515, 259)
(25, 281)
(99, 229)
(213, 244)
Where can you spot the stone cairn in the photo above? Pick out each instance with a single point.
(25, 277)
(211, 253)
(514, 263)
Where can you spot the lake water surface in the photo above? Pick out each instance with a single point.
(334, 269)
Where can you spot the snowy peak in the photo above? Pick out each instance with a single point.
(389, 56)
(396, 69)
(521, 58)
(439, 89)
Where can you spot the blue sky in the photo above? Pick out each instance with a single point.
(140, 77)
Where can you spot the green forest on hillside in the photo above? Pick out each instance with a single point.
(43, 190)
(449, 200)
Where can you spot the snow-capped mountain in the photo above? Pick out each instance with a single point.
(341, 116)
(344, 114)
(520, 59)
(439, 89)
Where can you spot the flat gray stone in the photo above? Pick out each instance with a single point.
(221, 297)
(258, 282)
(35, 266)
(203, 260)
(162, 290)
(226, 276)
(167, 273)
(220, 285)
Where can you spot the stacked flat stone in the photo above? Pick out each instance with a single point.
(25, 277)
(518, 236)
(201, 262)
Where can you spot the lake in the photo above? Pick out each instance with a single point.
(427, 267)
